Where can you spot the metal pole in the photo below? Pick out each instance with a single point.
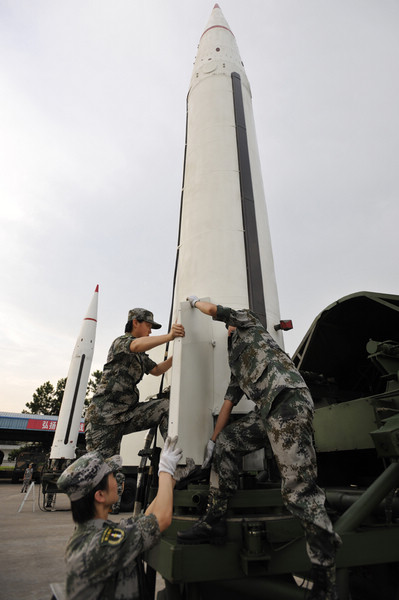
(31, 487)
(138, 504)
(369, 500)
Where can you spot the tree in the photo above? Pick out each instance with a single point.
(59, 393)
(91, 389)
(47, 399)
(92, 385)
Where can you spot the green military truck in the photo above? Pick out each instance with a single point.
(350, 361)
(22, 462)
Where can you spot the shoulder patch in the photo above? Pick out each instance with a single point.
(112, 536)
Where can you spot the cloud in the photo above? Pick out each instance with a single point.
(93, 102)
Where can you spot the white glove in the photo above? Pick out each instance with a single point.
(192, 300)
(208, 454)
(170, 456)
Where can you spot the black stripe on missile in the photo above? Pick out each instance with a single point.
(252, 254)
(75, 395)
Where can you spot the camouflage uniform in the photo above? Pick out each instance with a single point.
(101, 558)
(27, 480)
(283, 414)
(115, 409)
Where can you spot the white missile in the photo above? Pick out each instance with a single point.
(224, 247)
(66, 434)
(224, 242)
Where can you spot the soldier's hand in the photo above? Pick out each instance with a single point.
(208, 454)
(177, 331)
(170, 456)
(192, 299)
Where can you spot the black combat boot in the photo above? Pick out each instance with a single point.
(211, 529)
(324, 584)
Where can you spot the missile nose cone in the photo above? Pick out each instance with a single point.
(217, 20)
(91, 314)
(218, 52)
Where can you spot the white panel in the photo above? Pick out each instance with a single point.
(191, 399)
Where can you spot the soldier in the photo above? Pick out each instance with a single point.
(101, 556)
(115, 409)
(27, 480)
(283, 414)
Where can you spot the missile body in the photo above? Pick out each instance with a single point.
(224, 240)
(66, 434)
(224, 248)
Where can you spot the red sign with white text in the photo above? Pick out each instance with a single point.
(47, 425)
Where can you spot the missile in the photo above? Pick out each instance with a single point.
(224, 243)
(67, 431)
(224, 249)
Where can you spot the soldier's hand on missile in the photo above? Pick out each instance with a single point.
(170, 456)
(208, 454)
(192, 299)
(177, 330)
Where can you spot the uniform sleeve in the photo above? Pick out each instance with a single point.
(243, 318)
(148, 363)
(222, 314)
(120, 346)
(233, 393)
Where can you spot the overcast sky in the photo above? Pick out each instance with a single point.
(92, 109)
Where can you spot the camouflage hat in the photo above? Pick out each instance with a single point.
(85, 473)
(141, 314)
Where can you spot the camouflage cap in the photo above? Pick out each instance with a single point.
(141, 314)
(85, 473)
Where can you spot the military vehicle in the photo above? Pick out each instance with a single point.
(350, 360)
(22, 462)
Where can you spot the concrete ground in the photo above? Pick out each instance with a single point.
(33, 543)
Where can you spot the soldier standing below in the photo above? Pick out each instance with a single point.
(115, 409)
(28, 474)
(101, 556)
(283, 414)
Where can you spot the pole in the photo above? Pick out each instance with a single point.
(31, 487)
(369, 499)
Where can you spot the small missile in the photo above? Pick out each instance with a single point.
(66, 434)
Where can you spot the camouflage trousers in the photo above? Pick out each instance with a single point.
(288, 427)
(25, 484)
(105, 437)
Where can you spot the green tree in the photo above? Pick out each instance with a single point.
(92, 385)
(91, 388)
(44, 401)
(59, 393)
(47, 400)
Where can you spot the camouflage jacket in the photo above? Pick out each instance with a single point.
(28, 474)
(260, 369)
(117, 392)
(101, 558)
